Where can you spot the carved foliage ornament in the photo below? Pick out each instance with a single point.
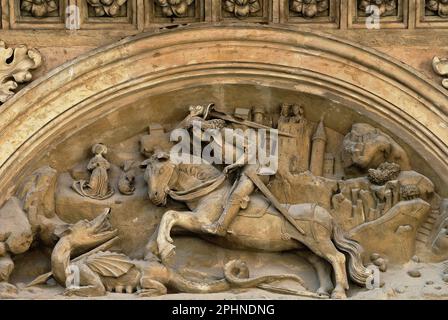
(440, 7)
(242, 8)
(175, 8)
(308, 8)
(110, 8)
(39, 8)
(386, 7)
(14, 68)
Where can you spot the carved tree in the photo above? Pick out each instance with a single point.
(39, 8)
(386, 7)
(242, 8)
(439, 7)
(111, 8)
(308, 8)
(174, 8)
(14, 68)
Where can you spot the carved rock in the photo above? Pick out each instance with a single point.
(15, 66)
(15, 230)
(397, 229)
(366, 147)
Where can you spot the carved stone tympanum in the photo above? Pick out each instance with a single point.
(15, 66)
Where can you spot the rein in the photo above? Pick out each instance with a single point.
(197, 191)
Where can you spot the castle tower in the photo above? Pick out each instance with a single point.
(318, 150)
(328, 171)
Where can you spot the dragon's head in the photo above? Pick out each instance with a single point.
(88, 234)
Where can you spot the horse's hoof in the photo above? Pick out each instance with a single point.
(322, 292)
(167, 252)
(338, 295)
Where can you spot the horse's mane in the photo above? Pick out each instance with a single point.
(199, 171)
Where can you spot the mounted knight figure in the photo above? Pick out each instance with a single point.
(253, 220)
(239, 150)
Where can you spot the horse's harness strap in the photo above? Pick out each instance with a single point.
(198, 191)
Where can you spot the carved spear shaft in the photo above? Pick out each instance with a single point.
(262, 187)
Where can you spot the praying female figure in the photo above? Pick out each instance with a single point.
(98, 186)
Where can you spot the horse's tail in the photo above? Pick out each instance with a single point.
(356, 269)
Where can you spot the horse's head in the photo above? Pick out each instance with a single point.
(158, 173)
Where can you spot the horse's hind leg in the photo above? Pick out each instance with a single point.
(184, 219)
(322, 269)
(337, 259)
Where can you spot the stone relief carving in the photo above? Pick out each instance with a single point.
(15, 68)
(126, 183)
(386, 7)
(309, 8)
(39, 8)
(174, 8)
(111, 8)
(98, 186)
(438, 7)
(242, 8)
(360, 203)
(440, 66)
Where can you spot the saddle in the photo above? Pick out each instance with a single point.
(257, 207)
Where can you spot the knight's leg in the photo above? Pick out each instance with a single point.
(244, 188)
(322, 269)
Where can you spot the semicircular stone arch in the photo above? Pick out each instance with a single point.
(113, 93)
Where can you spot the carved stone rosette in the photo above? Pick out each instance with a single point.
(39, 8)
(438, 7)
(174, 8)
(111, 8)
(242, 8)
(15, 66)
(308, 8)
(386, 7)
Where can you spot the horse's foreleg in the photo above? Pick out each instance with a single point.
(322, 269)
(184, 219)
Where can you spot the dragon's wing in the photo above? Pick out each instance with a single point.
(109, 264)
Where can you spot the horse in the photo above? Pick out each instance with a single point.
(204, 189)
